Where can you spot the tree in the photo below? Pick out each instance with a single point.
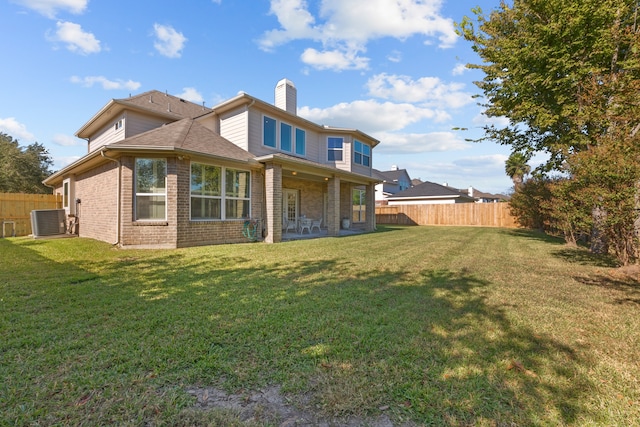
(517, 168)
(538, 57)
(22, 170)
(567, 75)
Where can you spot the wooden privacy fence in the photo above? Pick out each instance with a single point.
(15, 210)
(480, 214)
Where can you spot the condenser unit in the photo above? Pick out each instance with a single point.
(48, 222)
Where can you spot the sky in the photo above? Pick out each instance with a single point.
(394, 69)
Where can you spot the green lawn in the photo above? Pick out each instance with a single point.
(437, 325)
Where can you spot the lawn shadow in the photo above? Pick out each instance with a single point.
(534, 235)
(582, 256)
(424, 345)
(623, 282)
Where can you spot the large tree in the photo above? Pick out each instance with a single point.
(22, 169)
(538, 58)
(566, 76)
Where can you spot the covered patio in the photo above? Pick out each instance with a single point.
(298, 190)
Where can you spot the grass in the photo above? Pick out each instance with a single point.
(439, 326)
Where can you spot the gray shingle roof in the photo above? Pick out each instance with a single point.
(164, 103)
(429, 189)
(186, 135)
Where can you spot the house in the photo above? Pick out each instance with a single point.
(391, 182)
(163, 172)
(482, 197)
(429, 193)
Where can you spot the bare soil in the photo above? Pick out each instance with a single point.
(271, 407)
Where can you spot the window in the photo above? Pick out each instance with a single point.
(359, 205)
(65, 195)
(206, 194)
(219, 193)
(301, 142)
(334, 146)
(285, 137)
(362, 154)
(237, 194)
(118, 125)
(151, 189)
(269, 132)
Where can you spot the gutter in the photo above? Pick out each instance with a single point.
(118, 208)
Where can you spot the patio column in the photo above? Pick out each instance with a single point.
(273, 196)
(370, 209)
(333, 210)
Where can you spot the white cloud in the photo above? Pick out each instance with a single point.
(372, 116)
(62, 161)
(106, 84)
(15, 129)
(169, 42)
(347, 26)
(334, 60)
(395, 56)
(482, 162)
(296, 21)
(459, 69)
(416, 143)
(191, 94)
(484, 120)
(75, 38)
(66, 140)
(49, 8)
(429, 90)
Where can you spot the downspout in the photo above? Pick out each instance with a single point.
(102, 153)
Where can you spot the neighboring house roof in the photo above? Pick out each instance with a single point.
(480, 195)
(394, 175)
(151, 102)
(430, 190)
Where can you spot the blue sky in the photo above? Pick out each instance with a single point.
(392, 68)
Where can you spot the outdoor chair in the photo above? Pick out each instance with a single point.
(288, 224)
(316, 224)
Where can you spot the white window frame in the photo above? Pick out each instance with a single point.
(153, 194)
(335, 150)
(291, 137)
(223, 194)
(304, 142)
(275, 132)
(361, 153)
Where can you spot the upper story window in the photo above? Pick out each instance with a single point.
(118, 125)
(334, 148)
(219, 193)
(286, 137)
(151, 189)
(301, 142)
(283, 136)
(362, 154)
(269, 132)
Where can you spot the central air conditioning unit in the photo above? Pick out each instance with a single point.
(48, 222)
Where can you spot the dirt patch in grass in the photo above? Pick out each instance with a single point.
(270, 406)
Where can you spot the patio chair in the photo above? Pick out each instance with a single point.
(288, 224)
(316, 224)
(305, 224)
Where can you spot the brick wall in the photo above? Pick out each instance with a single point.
(98, 193)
